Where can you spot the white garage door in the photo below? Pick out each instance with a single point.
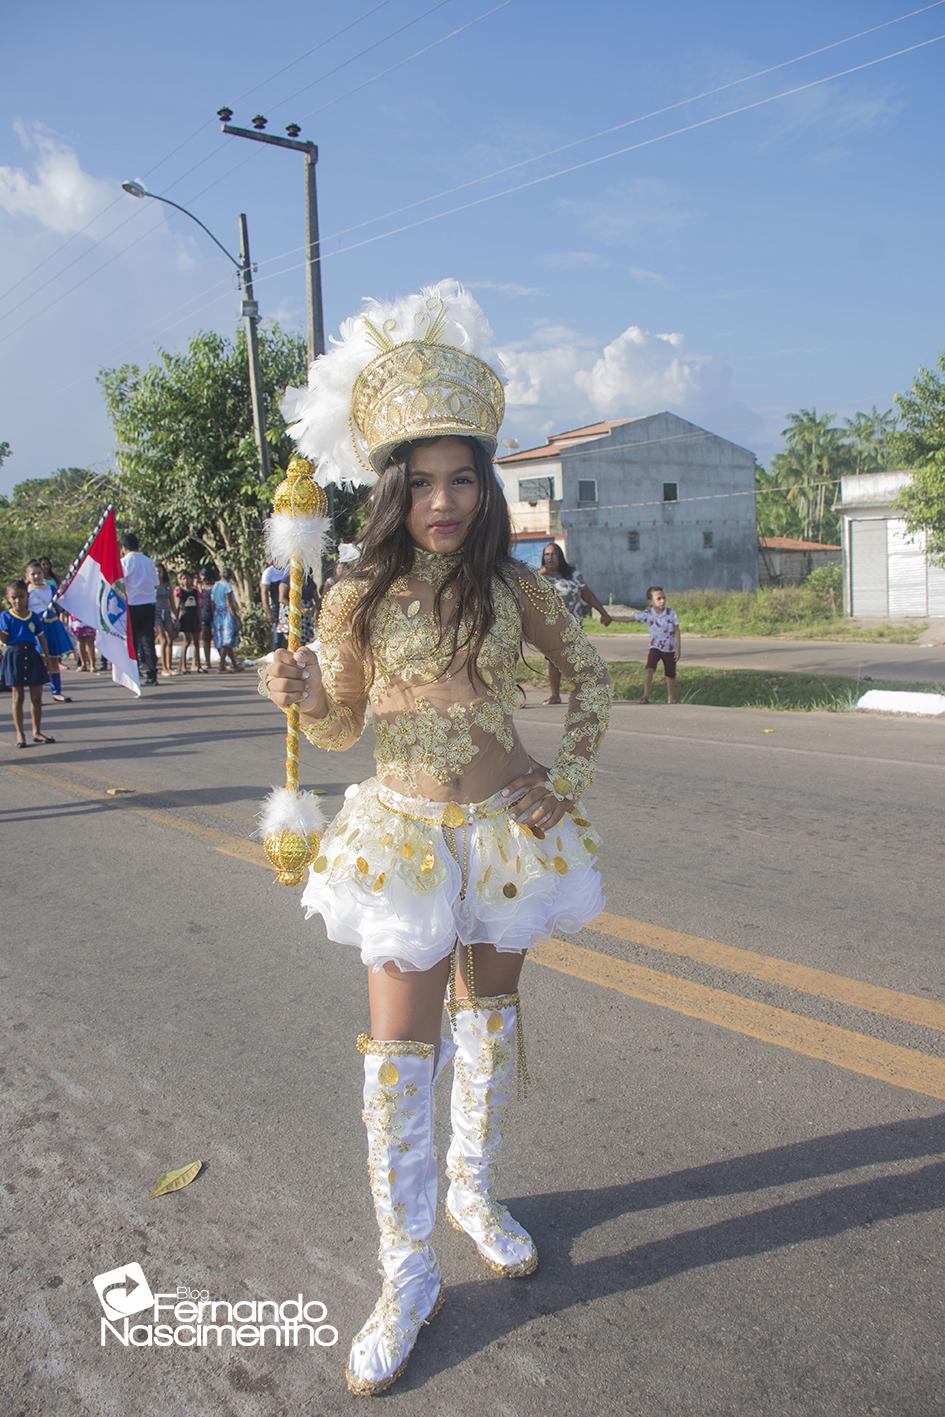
(936, 589)
(868, 566)
(907, 572)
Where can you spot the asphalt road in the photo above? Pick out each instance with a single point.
(925, 664)
(731, 1158)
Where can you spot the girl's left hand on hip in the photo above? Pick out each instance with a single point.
(532, 802)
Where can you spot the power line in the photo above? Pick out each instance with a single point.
(196, 133)
(590, 162)
(618, 152)
(242, 162)
(383, 73)
(321, 45)
(373, 79)
(616, 127)
(376, 45)
(202, 161)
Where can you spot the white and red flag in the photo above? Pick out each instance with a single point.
(94, 592)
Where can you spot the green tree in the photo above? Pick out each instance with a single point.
(869, 437)
(920, 445)
(807, 472)
(5, 452)
(189, 483)
(776, 516)
(51, 516)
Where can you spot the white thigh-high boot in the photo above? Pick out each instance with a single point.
(486, 1035)
(398, 1114)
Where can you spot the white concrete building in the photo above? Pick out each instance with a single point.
(636, 501)
(886, 571)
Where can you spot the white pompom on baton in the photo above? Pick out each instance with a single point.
(291, 821)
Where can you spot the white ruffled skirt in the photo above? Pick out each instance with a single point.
(403, 878)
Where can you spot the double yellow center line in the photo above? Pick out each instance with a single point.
(844, 1048)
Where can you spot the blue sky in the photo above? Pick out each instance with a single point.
(792, 251)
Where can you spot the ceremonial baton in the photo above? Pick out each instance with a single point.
(291, 821)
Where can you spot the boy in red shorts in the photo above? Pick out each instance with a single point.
(665, 641)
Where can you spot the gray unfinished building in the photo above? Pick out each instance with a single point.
(640, 500)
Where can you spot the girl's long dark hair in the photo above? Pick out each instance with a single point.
(388, 552)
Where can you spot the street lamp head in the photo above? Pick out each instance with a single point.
(224, 114)
(293, 130)
(259, 122)
(135, 189)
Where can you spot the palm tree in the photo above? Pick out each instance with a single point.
(867, 438)
(808, 468)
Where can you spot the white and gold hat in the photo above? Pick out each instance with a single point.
(420, 367)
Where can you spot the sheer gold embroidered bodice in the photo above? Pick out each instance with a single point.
(438, 735)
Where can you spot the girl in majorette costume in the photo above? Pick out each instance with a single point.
(55, 633)
(462, 851)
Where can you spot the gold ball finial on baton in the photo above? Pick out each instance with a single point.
(292, 820)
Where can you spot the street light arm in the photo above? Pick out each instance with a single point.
(178, 207)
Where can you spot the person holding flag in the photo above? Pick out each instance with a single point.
(94, 592)
(141, 582)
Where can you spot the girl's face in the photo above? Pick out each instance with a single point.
(18, 599)
(34, 574)
(551, 558)
(187, 581)
(444, 494)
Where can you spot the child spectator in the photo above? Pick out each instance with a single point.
(40, 594)
(85, 644)
(188, 618)
(164, 618)
(208, 577)
(665, 641)
(25, 657)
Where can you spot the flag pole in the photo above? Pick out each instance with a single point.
(70, 574)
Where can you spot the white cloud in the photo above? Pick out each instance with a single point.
(506, 287)
(642, 274)
(58, 194)
(833, 113)
(572, 260)
(625, 210)
(641, 372)
(559, 378)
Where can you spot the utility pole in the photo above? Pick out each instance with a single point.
(313, 267)
(250, 311)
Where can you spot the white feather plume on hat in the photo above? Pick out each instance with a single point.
(320, 415)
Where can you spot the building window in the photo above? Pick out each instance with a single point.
(670, 492)
(633, 541)
(535, 489)
(587, 491)
(707, 540)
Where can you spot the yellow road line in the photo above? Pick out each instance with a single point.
(224, 842)
(910, 1008)
(857, 1052)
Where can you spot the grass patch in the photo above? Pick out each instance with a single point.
(752, 688)
(786, 612)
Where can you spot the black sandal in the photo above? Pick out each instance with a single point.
(41, 738)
